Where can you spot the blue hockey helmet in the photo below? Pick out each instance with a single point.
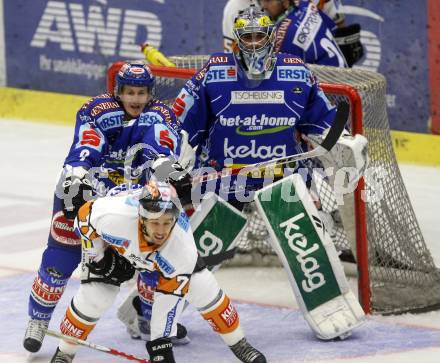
(254, 33)
(134, 74)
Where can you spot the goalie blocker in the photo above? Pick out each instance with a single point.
(308, 255)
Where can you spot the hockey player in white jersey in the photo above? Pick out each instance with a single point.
(148, 232)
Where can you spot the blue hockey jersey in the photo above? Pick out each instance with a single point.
(236, 125)
(306, 32)
(104, 138)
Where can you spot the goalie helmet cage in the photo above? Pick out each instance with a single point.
(396, 272)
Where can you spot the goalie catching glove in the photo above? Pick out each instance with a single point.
(349, 152)
(77, 189)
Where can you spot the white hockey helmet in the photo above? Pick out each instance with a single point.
(158, 198)
(254, 33)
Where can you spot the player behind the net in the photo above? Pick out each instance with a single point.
(253, 106)
(147, 230)
(116, 136)
(313, 30)
(313, 35)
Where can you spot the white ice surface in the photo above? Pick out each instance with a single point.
(31, 156)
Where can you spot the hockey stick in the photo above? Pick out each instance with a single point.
(326, 145)
(96, 346)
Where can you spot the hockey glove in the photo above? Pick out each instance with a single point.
(168, 170)
(349, 40)
(187, 155)
(113, 267)
(77, 190)
(155, 57)
(161, 350)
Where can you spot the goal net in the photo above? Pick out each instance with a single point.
(396, 272)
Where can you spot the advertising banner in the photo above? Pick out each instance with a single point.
(66, 46)
(394, 34)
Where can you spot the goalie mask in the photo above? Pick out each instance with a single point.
(254, 33)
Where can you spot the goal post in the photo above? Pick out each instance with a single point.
(396, 272)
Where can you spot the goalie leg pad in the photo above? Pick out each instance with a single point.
(214, 242)
(308, 255)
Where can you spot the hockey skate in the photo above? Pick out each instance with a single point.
(247, 353)
(60, 357)
(35, 332)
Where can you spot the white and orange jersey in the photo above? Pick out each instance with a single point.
(114, 220)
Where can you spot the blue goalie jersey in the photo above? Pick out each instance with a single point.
(237, 123)
(306, 32)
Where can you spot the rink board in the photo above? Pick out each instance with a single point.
(280, 333)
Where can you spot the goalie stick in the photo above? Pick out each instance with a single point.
(326, 145)
(101, 348)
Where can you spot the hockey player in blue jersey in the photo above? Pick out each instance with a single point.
(255, 105)
(309, 33)
(332, 8)
(115, 139)
(248, 106)
(304, 31)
